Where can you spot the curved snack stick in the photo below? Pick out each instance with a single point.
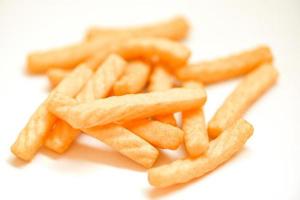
(56, 75)
(62, 136)
(193, 124)
(133, 80)
(245, 94)
(158, 134)
(125, 142)
(124, 108)
(161, 80)
(220, 150)
(174, 29)
(34, 133)
(226, 68)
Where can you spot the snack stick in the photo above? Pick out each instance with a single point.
(220, 150)
(133, 80)
(161, 80)
(99, 85)
(34, 133)
(124, 108)
(171, 54)
(193, 124)
(226, 68)
(158, 134)
(245, 94)
(126, 142)
(174, 29)
(56, 75)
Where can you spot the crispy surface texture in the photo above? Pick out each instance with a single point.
(193, 124)
(56, 75)
(133, 80)
(220, 150)
(245, 94)
(125, 142)
(175, 28)
(33, 135)
(160, 135)
(124, 108)
(99, 85)
(226, 68)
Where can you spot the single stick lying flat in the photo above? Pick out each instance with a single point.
(124, 108)
(33, 135)
(220, 150)
(226, 68)
(246, 93)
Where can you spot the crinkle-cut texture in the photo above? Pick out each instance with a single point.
(33, 135)
(244, 95)
(158, 134)
(125, 142)
(104, 79)
(175, 28)
(133, 80)
(126, 107)
(56, 75)
(226, 68)
(193, 124)
(62, 135)
(220, 150)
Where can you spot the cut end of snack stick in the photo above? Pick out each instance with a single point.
(246, 93)
(226, 68)
(220, 150)
(124, 108)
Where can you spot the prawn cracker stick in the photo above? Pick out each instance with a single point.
(62, 135)
(125, 108)
(34, 133)
(126, 142)
(220, 150)
(158, 134)
(133, 80)
(226, 68)
(193, 124)
(56, 75)
(245, 94)
(100, 84)
(175, 28)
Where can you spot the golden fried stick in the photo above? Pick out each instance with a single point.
(133, 80)
(56, 75)
(62, 135)
(245, 94)
(161, 80)
(193, 124)
(36, 130)
(124, 108)
(175, 28)
(126, 143)
(226, 68)
(220, 150)
(158, 134)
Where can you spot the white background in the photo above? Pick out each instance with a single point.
(267, 168)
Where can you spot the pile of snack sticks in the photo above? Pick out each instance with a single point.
(123, 86)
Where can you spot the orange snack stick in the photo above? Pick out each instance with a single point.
(124, 108)
(62, 135)
(158, 134)
(56, 75)
(33, 135)
(226, 68)
(245, 94)
(133, 80)
(193, 124)
(220, 150)
(125, 142)
(175, 28)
